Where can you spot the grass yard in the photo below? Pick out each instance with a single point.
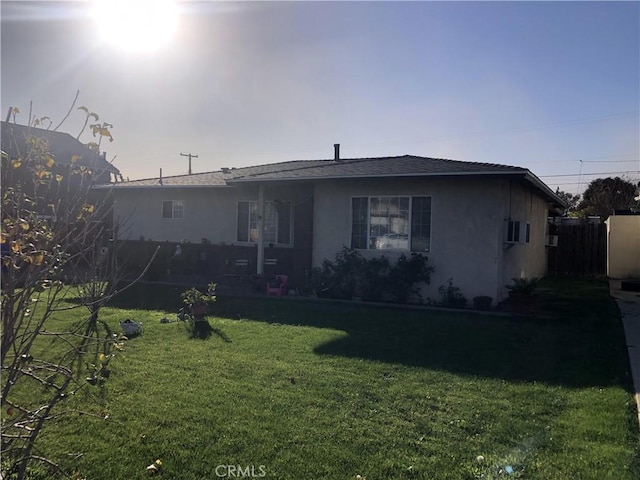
(293, 389)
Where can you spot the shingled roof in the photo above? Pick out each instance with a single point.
(207, 179)
(402, 166)
(315, 170)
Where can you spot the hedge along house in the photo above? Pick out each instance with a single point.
(479, 224)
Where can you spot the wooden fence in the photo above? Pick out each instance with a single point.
(581, 250)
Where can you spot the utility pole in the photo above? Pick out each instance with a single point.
(190, 157)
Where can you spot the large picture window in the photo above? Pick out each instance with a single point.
(276, 225)
(173, 209)
(391, 223)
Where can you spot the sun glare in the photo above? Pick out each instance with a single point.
(136, 25)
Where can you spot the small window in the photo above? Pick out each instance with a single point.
(173, 209)
(517, 231)
(513, 231)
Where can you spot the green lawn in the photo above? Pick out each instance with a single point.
(293, 389)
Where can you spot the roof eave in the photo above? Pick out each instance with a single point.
(124, 186)
(556, 201)
(395, 175)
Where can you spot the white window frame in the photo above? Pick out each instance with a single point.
(410, 222)
(177, 209)
(517, 232)
(269, 210)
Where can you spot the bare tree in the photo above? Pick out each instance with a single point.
(57, 244)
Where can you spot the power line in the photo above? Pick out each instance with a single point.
(611, 161)
(568, 183)
(597, 173)
(589, 161)
(507, 130)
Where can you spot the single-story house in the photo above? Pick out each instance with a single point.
(479, 224)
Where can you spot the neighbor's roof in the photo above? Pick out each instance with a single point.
(61, 145)
(208, 179)
(347, 168)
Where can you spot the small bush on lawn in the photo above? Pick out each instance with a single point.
(377, 279)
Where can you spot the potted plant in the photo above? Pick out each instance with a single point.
(198, 301)
(482, 302)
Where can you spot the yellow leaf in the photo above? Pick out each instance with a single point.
(50, 162)
(75, 158)
(102, 357)
(15, 247)
(16, 163)
(3, 238)
(37, 258)
(24, 225)
(59, 178)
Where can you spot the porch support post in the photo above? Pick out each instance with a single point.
(260, 266)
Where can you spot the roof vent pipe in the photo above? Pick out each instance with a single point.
(336, 151)
(160, 176)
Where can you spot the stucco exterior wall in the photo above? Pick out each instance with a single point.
(524, 260)
(467, 229)
(623, 246)
(206, 214)
(209, 213)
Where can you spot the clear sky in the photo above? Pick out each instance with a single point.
(550, 86)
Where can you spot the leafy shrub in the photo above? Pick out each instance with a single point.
(451, 296)
(523, 285)
(376, 279)
(406, 275)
